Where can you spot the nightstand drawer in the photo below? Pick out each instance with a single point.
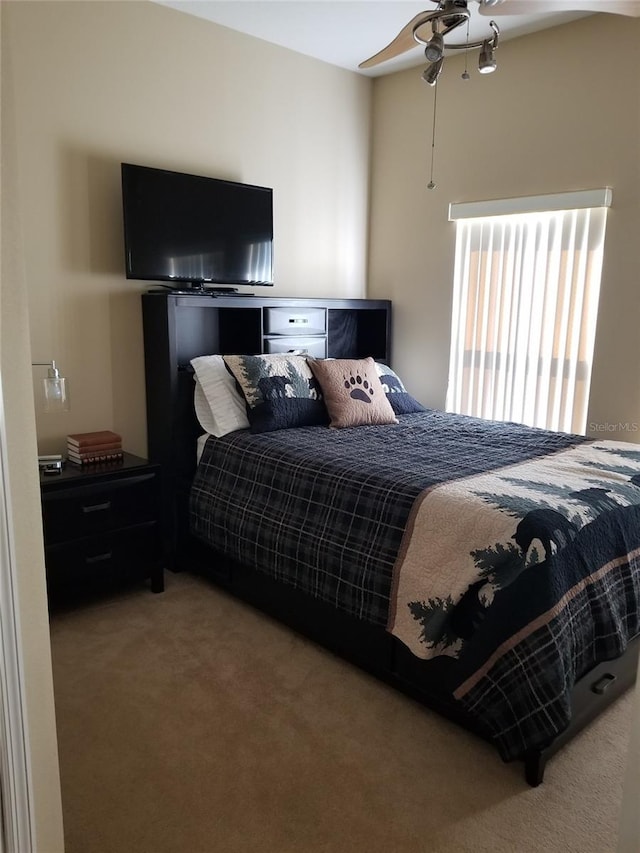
(84, 510)
(104, 559)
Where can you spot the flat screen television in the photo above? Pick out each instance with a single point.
(195, 231)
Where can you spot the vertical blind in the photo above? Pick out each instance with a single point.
(526, 288)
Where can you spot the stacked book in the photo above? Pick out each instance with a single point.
(89, 448)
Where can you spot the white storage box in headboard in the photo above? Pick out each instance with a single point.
(292, 321)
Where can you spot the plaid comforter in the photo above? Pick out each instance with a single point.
(328, 512)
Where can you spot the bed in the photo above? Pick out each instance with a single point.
(489, 570)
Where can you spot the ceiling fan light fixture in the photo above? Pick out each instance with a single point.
(430, 75)
(486, 61)
(435, 48)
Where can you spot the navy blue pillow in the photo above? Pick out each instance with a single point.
(401, 401)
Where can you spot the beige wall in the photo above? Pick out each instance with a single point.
(553, 117)
(21, 486)
(99, 83)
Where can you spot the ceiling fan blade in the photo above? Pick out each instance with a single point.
(402, 42)
(495, 8)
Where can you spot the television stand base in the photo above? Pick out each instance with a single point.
(174, 291)
(204, 291)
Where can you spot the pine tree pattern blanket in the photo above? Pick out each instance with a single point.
(534, 577)
(510, 553)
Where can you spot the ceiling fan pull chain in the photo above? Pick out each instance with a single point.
(431, 185)
(465, 73)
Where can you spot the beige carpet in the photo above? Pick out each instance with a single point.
(190, 723)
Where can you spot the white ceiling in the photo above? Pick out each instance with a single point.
(346, 32)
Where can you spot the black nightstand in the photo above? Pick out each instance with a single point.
(102, 526)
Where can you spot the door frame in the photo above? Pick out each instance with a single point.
(17, 833)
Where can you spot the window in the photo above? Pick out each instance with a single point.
(525, 301)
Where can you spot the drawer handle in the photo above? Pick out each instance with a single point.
(97, 507)
(603, 684)
(298, 320)
(99, 558)
(298, 351)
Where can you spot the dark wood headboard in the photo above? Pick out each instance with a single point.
(180, 327)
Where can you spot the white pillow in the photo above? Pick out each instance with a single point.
(219, 406)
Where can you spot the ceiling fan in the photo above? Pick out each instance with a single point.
(430, 28)
(534, 7)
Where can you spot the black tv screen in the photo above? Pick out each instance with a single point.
(196, 230)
